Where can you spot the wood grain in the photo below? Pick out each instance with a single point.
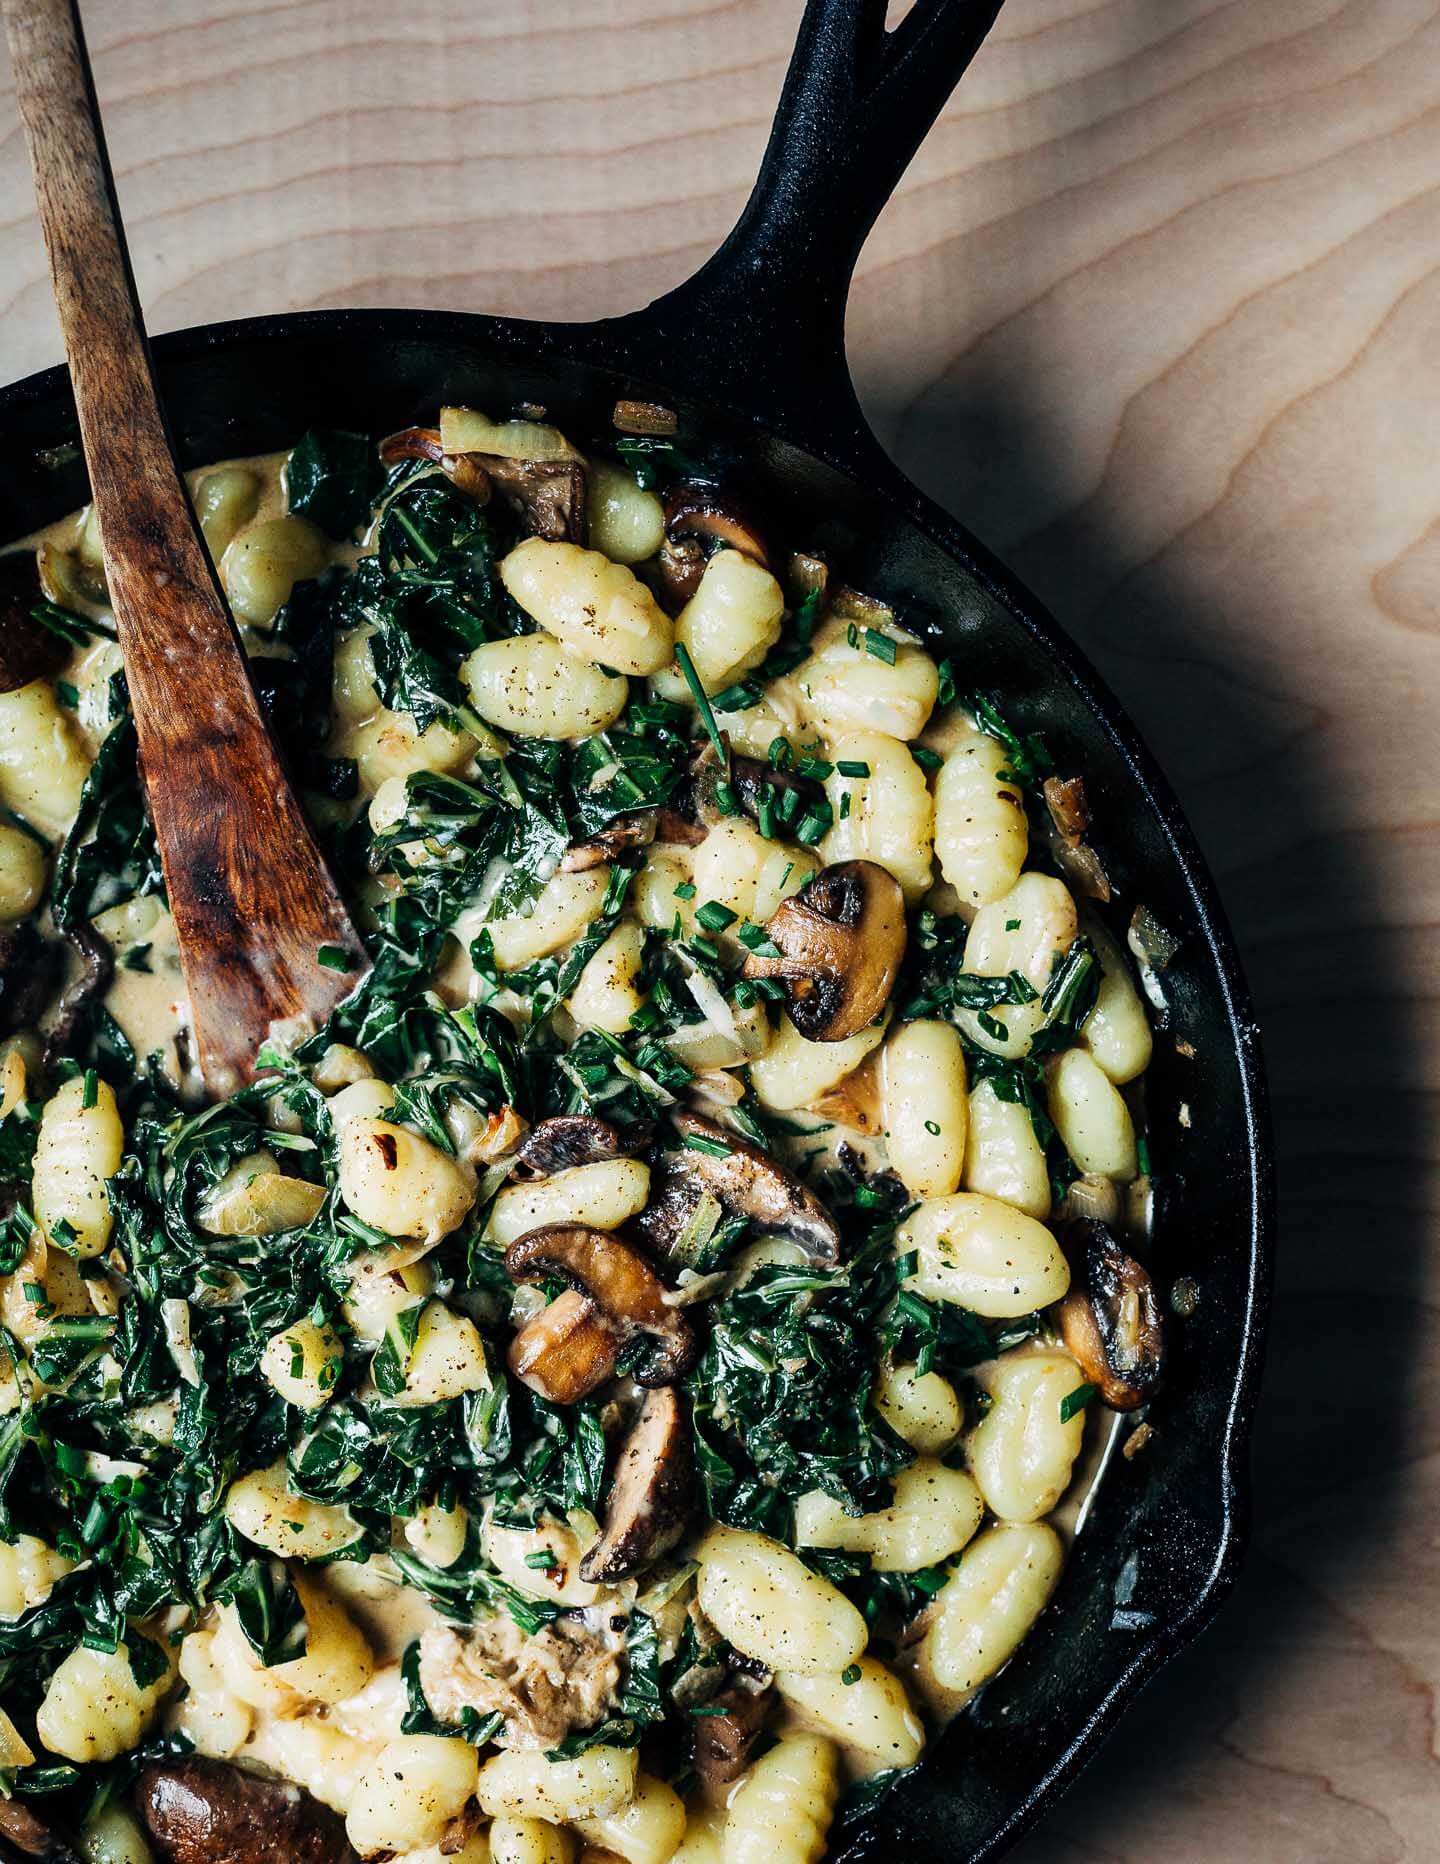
(253, 903)
(1156, 312)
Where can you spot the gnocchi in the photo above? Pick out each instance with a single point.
(596, 608)
(771, 1607)
(782, 1808)
(984, 1255)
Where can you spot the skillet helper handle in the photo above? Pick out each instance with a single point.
(765, 317)
(252, 900)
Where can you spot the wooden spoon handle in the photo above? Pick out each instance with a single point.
(252, 899)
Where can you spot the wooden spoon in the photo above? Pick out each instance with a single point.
(265, 940)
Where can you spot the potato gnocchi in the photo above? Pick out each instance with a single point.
(623, 1381)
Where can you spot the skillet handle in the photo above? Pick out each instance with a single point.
(761, 325)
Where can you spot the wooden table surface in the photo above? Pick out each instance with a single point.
(1157, 312)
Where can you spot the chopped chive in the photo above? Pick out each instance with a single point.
(852, 635)
(933, 1128)
(726, 800)
(850, 1674)
(1075, 1402)
(333, 957)
(852, 767)
(715, 917)
(845, 807)
(706, 947)
(713, 1148)
(925, 757)
(702, 703)
(780, 753)
(880, 645)
(1012, 925)
(745, 994)
(1142, 1155)
(67, 694)
(90, 1093)
(817, 767)
(685, 891)
(814, 825)
(541, 1561)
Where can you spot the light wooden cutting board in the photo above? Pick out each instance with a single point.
(1157, 312)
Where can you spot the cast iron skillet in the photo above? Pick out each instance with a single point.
(751, 353)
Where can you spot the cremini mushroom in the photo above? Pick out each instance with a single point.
(1069, 812)
(567, 1351)
(28, 649)
(31, 1837)
(570, 1139)
(423, 443)
(754, 783)
(650, 1493)
(624, 1288)
(1110, 1320)
(841, 939)
(743, 1180)
(29, 969)
(630, 831)
(697, 518)
(547, 495)
(724, 1742)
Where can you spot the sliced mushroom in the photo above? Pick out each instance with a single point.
(697, 517)
(744, 1180)
(1069, 813)
(423, 443)
(623, 1286)
(548, 495)
(631, 831)
(1110, 1320)
(97, 962)
(570, 1139)
(841, 940)
(650, 1492)
(29, 968)
(754, 781)
(28, 649)
(724, 1743)
(31, 1837)
(674, 826)
(205, 1812)
(567, 1351)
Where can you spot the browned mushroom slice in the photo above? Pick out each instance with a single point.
(548, 495)
(750, 1183)
(204, 1812)
(674, 826)
(1069, 813)
(30, 1837)
(567, 1351)
(650, 1492)
(569, 1139)
(28, 649)
(841, 940)
(698, 517)
(29, 971)
(423, 443)
(97, 968)
(623, 1286)
(724, 1743)
(1110, 1320)
(631, 831)
(754, 783)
